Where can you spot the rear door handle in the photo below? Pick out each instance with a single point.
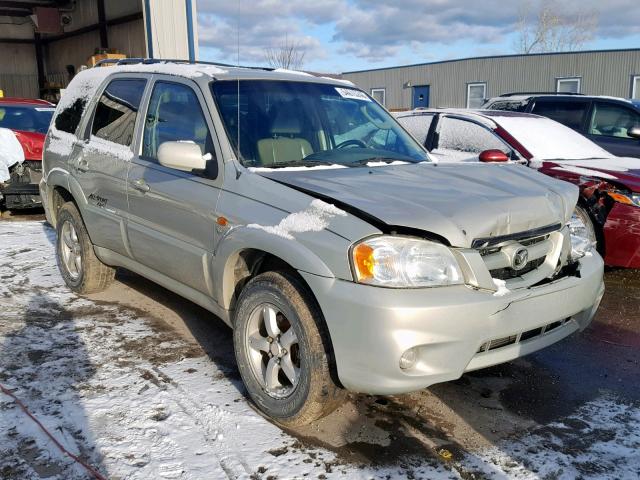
(83, 165)
(141, 185)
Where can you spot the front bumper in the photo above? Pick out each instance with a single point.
(22, 190)
(371, 327)
(622, 236)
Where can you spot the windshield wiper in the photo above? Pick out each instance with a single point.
(300, 163)
(388, 160)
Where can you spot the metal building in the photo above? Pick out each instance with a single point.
(44, 42)
(467, 82)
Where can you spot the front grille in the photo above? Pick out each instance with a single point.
(509, 273)
(502, 342)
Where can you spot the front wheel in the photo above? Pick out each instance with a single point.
(282, 350)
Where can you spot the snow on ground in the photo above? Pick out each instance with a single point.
(124, 392)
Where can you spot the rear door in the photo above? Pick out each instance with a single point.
(608, 126)
(171, 212)
(101, 164)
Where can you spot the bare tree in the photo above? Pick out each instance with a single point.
(552, 31)
(289, 55)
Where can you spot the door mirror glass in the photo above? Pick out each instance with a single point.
(181, 155)
(634, 132)
(492, 156)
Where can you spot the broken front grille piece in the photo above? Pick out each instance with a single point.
(497, 343)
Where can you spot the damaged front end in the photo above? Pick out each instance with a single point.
(21, 190)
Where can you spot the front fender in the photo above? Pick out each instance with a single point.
(239, 239)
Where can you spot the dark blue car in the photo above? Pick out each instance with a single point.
(612, 123)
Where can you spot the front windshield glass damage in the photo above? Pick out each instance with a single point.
(278, 124)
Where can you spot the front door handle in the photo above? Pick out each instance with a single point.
(141, 185)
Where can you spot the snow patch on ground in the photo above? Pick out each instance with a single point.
(315, 218)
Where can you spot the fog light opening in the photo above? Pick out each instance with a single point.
(409, 358)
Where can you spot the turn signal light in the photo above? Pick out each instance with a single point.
(363, 261)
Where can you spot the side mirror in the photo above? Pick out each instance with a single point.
(185, 156)
(491, 156)
(634, 132)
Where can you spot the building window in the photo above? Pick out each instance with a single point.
(379, 95)
(476, 94)
(568, 85)
(635, 88)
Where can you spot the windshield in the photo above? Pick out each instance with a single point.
(549, 140)
(27, 119)
(278, 124)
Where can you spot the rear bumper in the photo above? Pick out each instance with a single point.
(450, 327)
(622, 236)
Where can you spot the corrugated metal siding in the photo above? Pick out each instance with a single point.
(602, 73)
(18, 71)
(169, 29)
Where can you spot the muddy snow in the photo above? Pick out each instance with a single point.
(129, 392)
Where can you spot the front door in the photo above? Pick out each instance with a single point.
(103, 160)
(421, 96)
(172, 212)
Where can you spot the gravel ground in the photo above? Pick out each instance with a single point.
(142, 384)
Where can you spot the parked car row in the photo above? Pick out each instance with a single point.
(300, 212)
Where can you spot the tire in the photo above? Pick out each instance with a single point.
(314, 394)
(90, 275)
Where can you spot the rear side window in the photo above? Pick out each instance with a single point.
(69, 118)
(571, 114)
(519, 106)
(117, 110)
(417, 125)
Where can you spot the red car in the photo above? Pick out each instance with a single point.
(609, 186)
(29, 119)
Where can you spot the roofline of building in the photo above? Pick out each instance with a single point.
(512, 55)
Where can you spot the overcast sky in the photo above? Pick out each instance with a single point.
(344, 35)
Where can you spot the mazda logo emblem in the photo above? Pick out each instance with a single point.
(520, 259)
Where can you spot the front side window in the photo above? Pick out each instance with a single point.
(277, 124)
(476, 94)
(380, 95)
(117, 110)
(174, 115)
(26, 119)
(571, 114)
(463, 140)
(69, 118)
(568, 85)
(613, 120)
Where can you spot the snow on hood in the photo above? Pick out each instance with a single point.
(460, 202)
(547, 139)
(625, 171)
(11, 152)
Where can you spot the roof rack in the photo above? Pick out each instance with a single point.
(513, 94)
(152, 61)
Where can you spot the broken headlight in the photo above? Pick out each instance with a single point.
(404, 262)
(583, 235)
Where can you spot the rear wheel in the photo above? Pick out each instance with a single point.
(282, 351)
(81, 270)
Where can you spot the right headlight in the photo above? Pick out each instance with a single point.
(404, 262)
(583, 235)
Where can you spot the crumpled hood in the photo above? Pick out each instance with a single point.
(624, 170)
(460, 202)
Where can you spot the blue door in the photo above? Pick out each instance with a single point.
(421, 96)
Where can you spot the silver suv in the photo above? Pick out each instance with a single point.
(298, 211)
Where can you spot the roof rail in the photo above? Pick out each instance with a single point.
(513, 94)
(151, 61)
